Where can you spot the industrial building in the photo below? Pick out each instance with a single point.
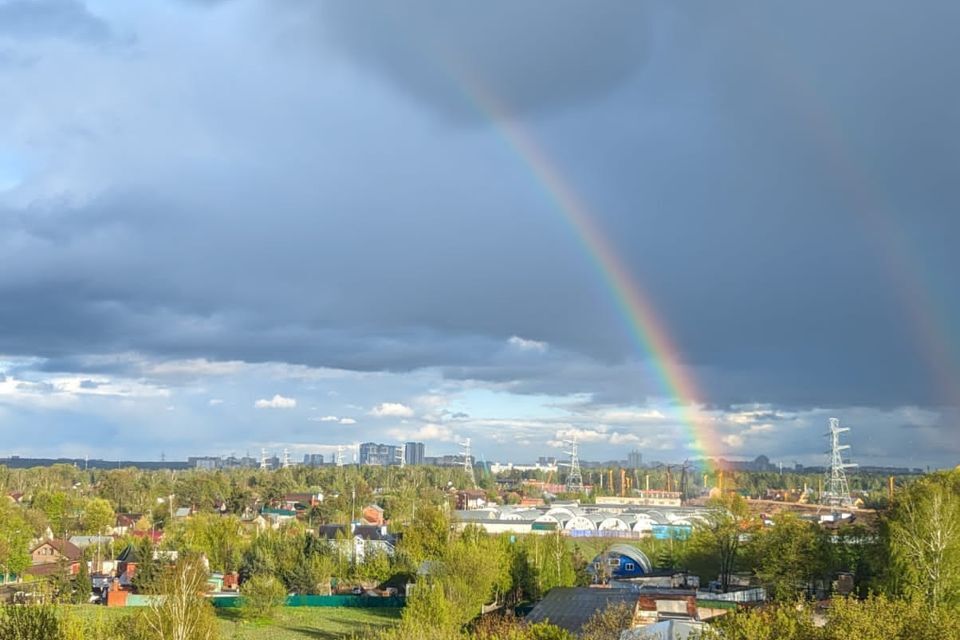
(627, 521)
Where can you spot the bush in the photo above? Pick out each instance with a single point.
(262, 596)
(507, 628)
(96, 625)
(38, 622)
(609, 623)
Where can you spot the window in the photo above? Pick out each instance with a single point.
(629, 566)
(614, 562)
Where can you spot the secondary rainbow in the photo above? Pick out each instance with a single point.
(638, 312)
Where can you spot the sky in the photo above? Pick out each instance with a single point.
(242, 224)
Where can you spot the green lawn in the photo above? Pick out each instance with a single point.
(290, 623)
(296, 623)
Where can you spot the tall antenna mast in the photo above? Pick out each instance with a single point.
(838, 490)
(575, 477)
(468, 462)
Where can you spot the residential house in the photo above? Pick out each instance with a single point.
(373, 515)
(471, 499)
(276, 517)
(50, 556)
(359, 540)
(301, 501)
(125, 523)
(129, 559)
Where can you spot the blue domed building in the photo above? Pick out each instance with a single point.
(621, 561)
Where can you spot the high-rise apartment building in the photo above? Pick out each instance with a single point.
(313, 459)
(413, 453)
(381, 455)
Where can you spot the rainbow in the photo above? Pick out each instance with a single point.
(645, 327)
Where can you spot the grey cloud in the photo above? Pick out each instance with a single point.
(286, 208)
(51, 18)
(526, 56)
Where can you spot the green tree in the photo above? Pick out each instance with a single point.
(59, 508)
(773, 623)
(219, 538)
(82, 585)
(716, 542)
(375, 567)
(924, 532)
(98, 516)
(789, 555)
(427, 537)
(15, 535)
(149, 570)
(541, 563)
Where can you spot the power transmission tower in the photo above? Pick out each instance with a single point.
(468, 462)
(838, 490)
(575, 477)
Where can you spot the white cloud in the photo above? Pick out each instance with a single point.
(630, 415)
(193, 367)
(213, 402)
(580, 435)
(523, 344)
(623, 438)
(336, 419)
(732, 440)
(436, 432)
(392, 410)
(276, 402)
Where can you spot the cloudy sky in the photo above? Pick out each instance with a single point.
(227, 225)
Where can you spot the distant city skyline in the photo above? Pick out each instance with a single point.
(244, 225)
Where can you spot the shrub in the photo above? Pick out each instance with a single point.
(262, 596)
(37, 622)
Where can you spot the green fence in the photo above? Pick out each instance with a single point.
(363, 602)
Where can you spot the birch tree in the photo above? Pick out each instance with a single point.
(925, 538)
(181, 612)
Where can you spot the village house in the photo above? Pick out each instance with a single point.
(359, 540)
(50, 556)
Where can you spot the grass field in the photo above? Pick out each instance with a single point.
(318, 623)
(290, 623)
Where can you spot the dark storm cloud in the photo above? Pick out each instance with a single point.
(532, 58)
(282, 208)
(51, 18)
